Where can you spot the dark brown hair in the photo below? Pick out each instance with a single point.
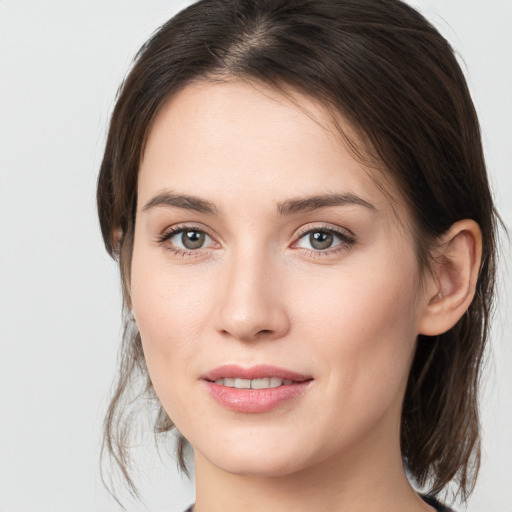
(383, 68)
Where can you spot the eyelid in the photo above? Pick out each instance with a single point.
(169, 231)
(343, 232)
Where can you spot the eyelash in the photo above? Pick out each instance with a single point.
(347, 241)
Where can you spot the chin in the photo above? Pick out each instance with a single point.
(261, 454)
(264, 465)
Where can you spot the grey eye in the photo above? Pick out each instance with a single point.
(193, 239)
(321, 240)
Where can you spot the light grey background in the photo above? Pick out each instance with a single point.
(60, 66)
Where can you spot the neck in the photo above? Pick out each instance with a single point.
(354, 482)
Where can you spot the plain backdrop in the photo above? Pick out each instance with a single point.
(61, 63)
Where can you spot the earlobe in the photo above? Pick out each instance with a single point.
(116, 236)
(452, 287)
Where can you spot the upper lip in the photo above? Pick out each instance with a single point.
(254, 372)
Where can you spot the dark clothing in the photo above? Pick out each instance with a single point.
(428, 499)
(434, 503)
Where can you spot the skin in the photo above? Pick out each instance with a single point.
(258, 292)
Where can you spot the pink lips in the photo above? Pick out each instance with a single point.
(254, 400)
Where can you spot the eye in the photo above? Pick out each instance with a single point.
(323, 239)
(189, 239)
(320, 240)
(185, 239)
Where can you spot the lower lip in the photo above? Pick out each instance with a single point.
(255, 400)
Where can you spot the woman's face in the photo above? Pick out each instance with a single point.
(274, 285)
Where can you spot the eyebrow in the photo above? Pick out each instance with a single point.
(292, 206)
(181, 201)
(288, 207)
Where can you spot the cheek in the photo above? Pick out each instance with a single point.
(362, 325)
(167, 298)
(169, 309)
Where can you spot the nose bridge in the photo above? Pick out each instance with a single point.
(251, 304)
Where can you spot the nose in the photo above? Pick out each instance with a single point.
(251, 302)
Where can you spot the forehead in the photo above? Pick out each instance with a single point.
(232, 140)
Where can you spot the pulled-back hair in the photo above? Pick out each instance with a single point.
(380, 66)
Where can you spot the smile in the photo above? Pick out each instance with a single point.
(257, 389)
(265, 383)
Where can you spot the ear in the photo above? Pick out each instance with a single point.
(116, 236)
(451, 288)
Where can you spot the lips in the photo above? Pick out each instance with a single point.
(254, 390)
(254, 372)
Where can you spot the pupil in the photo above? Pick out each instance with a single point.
(321, 240)
(192, 239)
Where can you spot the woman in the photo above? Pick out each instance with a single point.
(297, 197)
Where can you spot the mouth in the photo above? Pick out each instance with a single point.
(256, 389)
(254, 377)
(264, 383)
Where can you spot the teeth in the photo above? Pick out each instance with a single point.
(275, 382)
(271, 382)
(262, 384)
(242, 384)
